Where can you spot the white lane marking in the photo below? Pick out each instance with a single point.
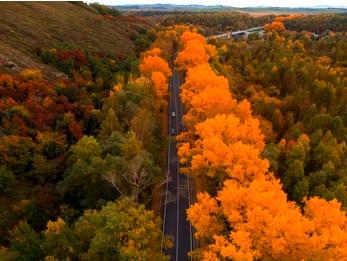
(167, 176)
(177, 173)
(189, 196)
(190, 225)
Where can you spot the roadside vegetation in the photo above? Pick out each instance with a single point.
(82, 154)
(83, 133)
(246, 183)
(297, 87)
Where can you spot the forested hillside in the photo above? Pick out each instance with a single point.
(26, 28)
(85, 93)
(297, 86)
(82, 133)
(319, 23)
(242, 211)
(211, 23)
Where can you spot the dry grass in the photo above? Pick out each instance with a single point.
(26, 26)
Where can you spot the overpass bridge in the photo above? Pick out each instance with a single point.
(238, 34)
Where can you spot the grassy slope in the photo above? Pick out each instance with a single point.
(25, 27)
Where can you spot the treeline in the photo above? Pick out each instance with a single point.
(211, 23)
(155, 13)
(104, 10)
(70, 146)
(318, 23)
(106, 234)
(99, 8)
(242, 212)
(297, 87)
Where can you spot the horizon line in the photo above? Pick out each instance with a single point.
(259, 6)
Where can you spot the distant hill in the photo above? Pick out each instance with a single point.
(173, 7)
(221, 8)
(27, 26)
(297, 10)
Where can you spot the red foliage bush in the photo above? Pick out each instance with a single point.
(77, 56)
(76, 130)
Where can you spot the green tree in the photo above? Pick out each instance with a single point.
(7, 179)
(25, 243)
(17, 153)
(144, 125)
(301, 189)
(293, 175)
(109, 124)
(83, 184)
(134, 171)
(310, 113)
(120, 231)
(59, 241)
(112, 145)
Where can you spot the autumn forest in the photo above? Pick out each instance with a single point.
(88, 122)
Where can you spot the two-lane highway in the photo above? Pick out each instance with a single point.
(177, 187)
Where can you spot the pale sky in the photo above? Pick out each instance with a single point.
(235, 3)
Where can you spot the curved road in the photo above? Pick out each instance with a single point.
(178, 186)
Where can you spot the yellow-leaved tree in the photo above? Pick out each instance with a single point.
(242, 212)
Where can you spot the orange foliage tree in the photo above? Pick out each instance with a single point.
(266, 226)
(160, 84)
(249, 217)
(157, 69)
(275, 25)
(194, 51)
(152, 64)
(228, 146)
(199, 78)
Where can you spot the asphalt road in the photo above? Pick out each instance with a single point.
(178, 187)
